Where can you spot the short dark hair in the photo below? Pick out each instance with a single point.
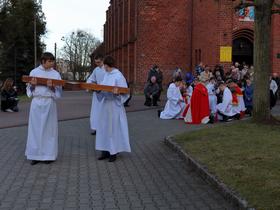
(221, 83)
(178, 79)
(109, 60)
(155, 66)
(47, 56)
(98, 57)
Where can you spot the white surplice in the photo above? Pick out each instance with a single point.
(240, 107)
(189, 92)
(96, 77)
(226, 106)
(42, 140)
(174, 105)
(112, 129)
(212, 97)
(273, 86)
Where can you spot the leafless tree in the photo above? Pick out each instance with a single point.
(77, 47)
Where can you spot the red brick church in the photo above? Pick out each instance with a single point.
(180, 33)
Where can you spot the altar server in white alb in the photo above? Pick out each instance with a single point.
(96, 77)
(212, 96)
(112, 129)
(42, 140)
(175, 104)
(225, 109)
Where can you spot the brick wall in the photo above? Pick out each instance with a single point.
(205, 33)
(173, 33)
(214, 23)
(163, 36)
(120, 35)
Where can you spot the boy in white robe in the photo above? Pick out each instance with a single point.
(96, 77)
(112, 129)
(189, 92)
(225, 109)
(42, 140)
(212, 95)
(273, 87)
(175, 104)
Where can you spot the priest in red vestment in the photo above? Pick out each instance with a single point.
(199, 111)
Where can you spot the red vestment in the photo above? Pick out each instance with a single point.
(237, 92)
(199, 110)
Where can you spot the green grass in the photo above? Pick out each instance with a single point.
(244, 155)
(23, 98)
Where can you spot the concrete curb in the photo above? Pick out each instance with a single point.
(231, 196)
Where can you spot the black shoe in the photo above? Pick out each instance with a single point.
(104, 155)
(48, 161)
(211, 119)
(158, 112)
(237, 116)
(33, 162)
(93, 133)
(147, 104)
(112, 158)
(225, 119)
(155, 104)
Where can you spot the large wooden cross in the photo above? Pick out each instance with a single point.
(83, 85)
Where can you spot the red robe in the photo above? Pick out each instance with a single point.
(199, 108)
(237, 93)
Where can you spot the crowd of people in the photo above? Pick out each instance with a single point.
(209, 95)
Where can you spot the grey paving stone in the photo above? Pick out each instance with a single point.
(151, 177)
(6, 204)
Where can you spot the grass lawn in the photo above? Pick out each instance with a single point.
(23, 97)
(244, 155)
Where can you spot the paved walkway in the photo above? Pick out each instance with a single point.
(151, 177)
(76, 105)
(73, 105)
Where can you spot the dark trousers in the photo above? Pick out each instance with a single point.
(127, 101)
(226, 118)
(273, 99)
(249, 110)
(151, 100)
(9, 104)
